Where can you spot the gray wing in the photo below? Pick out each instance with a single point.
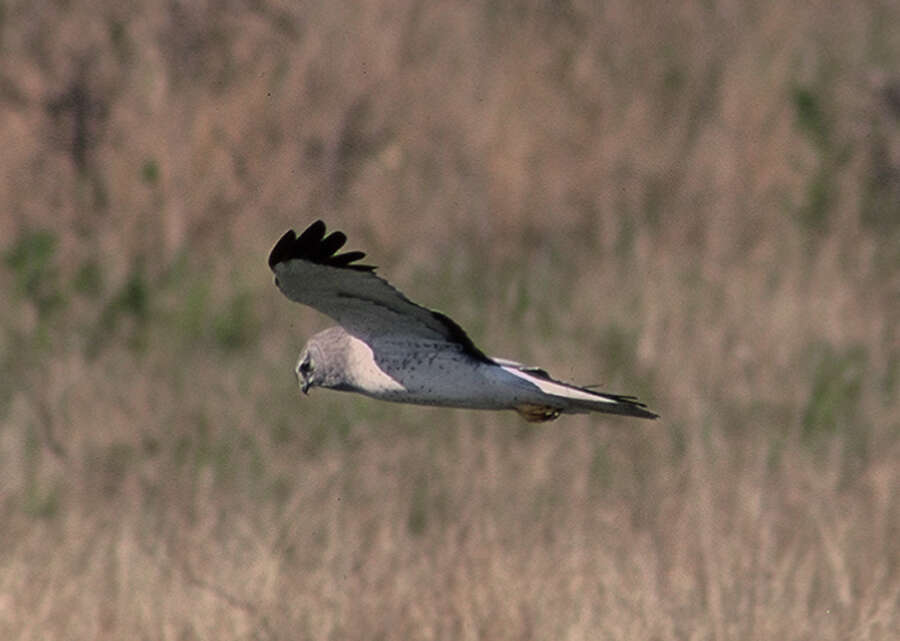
(309, 270)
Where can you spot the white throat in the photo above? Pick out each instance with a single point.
(365, 372)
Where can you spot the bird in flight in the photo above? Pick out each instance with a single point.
(387, 347)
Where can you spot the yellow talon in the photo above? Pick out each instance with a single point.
(537, 413)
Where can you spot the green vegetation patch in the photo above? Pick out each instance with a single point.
(150, 172)
(834, 396)
(810, 115)
(132, 301)
(31, 259)
(236, 325)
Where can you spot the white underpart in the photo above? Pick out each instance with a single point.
(554, 389)
(365, 372)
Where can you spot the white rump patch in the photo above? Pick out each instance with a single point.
(365, 372)
(556, 389)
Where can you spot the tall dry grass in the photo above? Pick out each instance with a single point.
(697, 203)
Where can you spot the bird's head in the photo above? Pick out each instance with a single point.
(307, 376)
(322, 363)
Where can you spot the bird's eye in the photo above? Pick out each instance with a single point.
(305, 366)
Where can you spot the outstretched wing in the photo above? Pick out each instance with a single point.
(309, 270)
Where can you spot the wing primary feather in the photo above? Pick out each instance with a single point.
(306, 246)
(313, 245)
(341, 260)
(312, 235)
(330, 244)
(283, 249)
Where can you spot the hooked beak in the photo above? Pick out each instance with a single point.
(303, 381)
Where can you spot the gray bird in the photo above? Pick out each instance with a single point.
(392, 349)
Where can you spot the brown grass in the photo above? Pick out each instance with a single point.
(697, 203)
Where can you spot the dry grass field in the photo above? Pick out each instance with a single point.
(695, 202)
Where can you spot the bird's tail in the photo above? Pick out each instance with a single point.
(565, 398)
(610, 404)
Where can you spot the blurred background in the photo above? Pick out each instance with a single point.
(694, 202)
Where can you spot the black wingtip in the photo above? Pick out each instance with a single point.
(313, 245)
(282, 249)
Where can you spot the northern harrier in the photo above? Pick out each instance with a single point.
(390, 348)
